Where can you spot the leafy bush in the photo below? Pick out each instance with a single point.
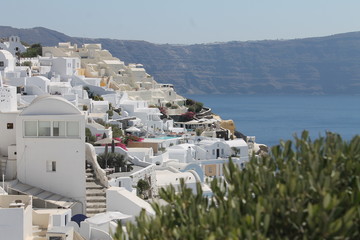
(303, 190)
(189, 102)
(88, 136)
(27, 63)
(194, 106)
(33, 51)
(142, 186)
(168, 105)
(188, 116)
(111, 160)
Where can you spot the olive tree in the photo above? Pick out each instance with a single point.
(304, 189)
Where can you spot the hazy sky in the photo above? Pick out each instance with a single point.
(186, 21)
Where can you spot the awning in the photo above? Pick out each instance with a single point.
(106, 217)
(46, 196)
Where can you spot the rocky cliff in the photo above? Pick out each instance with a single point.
(324, 65)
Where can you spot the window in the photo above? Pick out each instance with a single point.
(10, 126)
(213, 151)
(30, 128)
(72, 129)
(1, 63)
(51, 129)
(56, 238)
(222, 151)
(59, 129)
(44, 128)
(51, 166)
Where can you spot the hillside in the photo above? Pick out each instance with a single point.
(324, 65)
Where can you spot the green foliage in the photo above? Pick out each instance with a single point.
(194, 106)
(198, 106)
(110, 113)
(189, 102)
(143, 186)
(88, 135)
(92, 95)
(111, 160)
(33, 51)
(97, 98)
(168, 104)
(198, 131)
(304, 190)
(117, 131)
(27, 63)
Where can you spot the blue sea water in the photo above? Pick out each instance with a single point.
(271, 118)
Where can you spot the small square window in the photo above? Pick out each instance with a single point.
(51, 166)
(10, 126)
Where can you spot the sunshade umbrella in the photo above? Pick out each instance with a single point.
(106, 141)
(105, 217)
(133, 129)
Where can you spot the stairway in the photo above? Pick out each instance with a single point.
(95, 194)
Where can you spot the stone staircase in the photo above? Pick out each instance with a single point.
(95, 194)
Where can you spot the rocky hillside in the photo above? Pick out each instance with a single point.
(324, 65)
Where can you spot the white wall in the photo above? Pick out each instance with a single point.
(8, 136)
(12, 223)
(120, 199)
(8, 99)
(35, 153)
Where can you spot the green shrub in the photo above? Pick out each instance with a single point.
(303, 190)
(168, 105)
(33, 51)
(88, 136)
(27, 63)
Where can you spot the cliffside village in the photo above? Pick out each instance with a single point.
(87, 140)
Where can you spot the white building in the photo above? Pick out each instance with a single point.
(210, 154)
(16, 217)
(50, 140)
(20, 221)
(14, 45)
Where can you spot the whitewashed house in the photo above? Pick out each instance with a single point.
(8, 114)
(208, 153)
(149, 116)
(13, 45)
(16, 217)
(50, 142)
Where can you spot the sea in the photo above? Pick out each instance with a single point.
(273, 118)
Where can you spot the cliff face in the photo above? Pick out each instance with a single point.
(325, 65)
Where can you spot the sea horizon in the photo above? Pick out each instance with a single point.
(272, 118)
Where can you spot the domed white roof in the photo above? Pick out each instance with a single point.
(51, 105)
